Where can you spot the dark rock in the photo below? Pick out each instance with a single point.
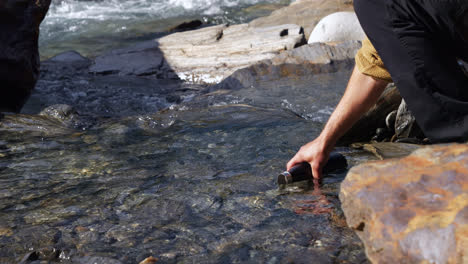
(382, 134)
(141, 60)
(411, 210)
(31, 256)
(210, 54)
(194, 24)
(19, 55)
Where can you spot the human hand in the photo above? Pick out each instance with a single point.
(316, 153)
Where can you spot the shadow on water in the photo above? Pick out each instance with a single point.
(149, 165)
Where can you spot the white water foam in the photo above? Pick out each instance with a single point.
(89, 25)
(132, 9)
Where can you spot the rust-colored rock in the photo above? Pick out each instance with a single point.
(411, 210)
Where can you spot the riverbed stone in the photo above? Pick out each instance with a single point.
(337, 27)
(305, 13)
(210, 54)
(413, 209)
(19, 54)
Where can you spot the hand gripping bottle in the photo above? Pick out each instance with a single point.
(303, 171)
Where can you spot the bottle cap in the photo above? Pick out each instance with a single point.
(285, 178)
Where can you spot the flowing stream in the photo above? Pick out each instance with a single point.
(195, 182)
(146, 167)
(91, 27)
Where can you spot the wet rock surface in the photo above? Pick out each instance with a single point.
(68, 79)
(411, 210)
(19, 55)
(192, 180)
(142, 59)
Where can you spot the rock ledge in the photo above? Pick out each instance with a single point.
(411, 210)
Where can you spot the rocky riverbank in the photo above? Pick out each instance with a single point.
(170, 148)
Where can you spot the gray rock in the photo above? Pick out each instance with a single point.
(19, 55)
(210, 54)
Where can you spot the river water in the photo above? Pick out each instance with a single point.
(146, 167)
(195, 183)
(91, 27)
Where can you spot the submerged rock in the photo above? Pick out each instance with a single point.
(411, 210)
(340, 26)
(19, 55)
(210, 54)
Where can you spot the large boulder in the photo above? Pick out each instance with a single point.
(19, 55)
(305, 13)
(298, 63)
(340, 26)
(413, 209)
(209, 55)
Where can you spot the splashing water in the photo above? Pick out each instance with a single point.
(93, 26)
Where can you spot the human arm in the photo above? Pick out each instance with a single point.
(361, 94)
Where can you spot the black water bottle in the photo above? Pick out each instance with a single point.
(303, 171)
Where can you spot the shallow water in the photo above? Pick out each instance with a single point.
(192, 183)
(91, 27)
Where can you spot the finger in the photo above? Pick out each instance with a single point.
(295, 160)
(316, 171)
